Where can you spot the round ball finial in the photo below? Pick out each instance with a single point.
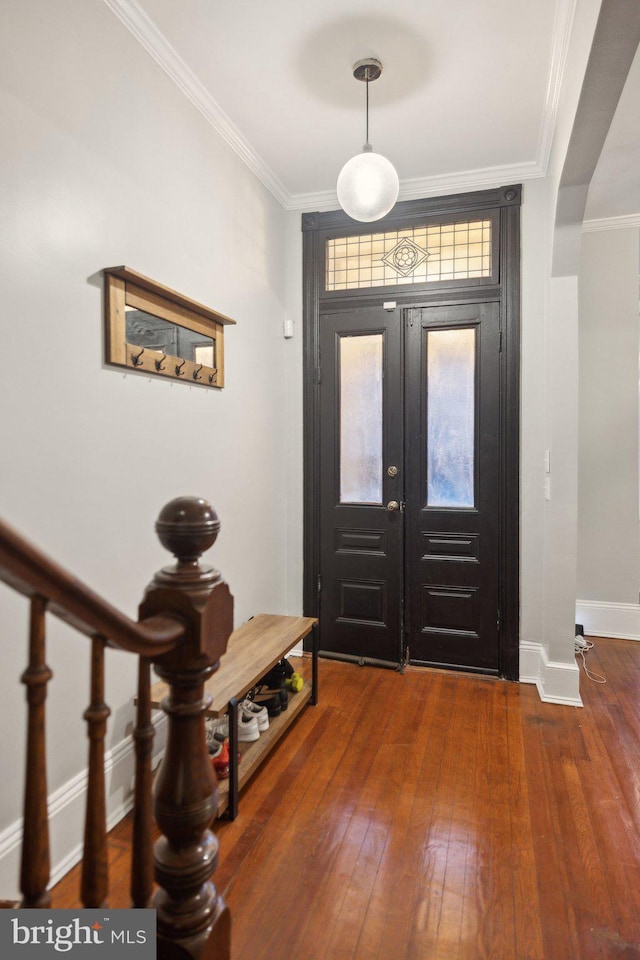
(187, 526)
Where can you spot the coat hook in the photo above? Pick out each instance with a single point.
(196, 373)
(135, 358)
(179, 367)
(213, 376)
(160, 363)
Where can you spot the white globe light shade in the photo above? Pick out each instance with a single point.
(368, 186)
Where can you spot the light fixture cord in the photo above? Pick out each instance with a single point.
(367, 111)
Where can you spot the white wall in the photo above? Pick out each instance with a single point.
(105, 162)
(535, 265)
(560, 515)
(608, 530)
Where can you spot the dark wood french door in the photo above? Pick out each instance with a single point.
(452, 481)
(361, 452)
(410, 485)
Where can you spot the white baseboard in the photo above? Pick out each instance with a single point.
(602, 619)
(67, 813)
(556, 682)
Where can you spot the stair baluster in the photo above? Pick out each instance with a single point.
(95, 880)
(142, 843)
(34, 874)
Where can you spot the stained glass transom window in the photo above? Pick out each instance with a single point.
(441, 251)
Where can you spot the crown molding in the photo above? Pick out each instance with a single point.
(466, 180)
(629, 222)
(422, 187)
(142, 28)
(131, 14)
(561, 38)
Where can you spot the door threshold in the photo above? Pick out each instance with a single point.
(488, 674)
(362, 661)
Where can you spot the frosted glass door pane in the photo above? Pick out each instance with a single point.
(361, 419)
(451, 362)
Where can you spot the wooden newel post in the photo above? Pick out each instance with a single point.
(193, 920)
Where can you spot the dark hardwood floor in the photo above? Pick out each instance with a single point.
(434, 816)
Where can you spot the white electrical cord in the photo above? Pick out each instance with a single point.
(582, 646)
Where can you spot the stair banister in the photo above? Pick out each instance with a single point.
(185, 620)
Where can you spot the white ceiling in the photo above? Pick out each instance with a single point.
(467, 96)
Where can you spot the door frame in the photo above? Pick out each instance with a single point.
(504, 286)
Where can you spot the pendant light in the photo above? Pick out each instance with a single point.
(368, 183)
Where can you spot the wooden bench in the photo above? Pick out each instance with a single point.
(252, 650)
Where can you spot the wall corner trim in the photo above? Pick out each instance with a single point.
(556, 682)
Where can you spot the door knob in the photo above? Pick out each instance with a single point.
(392, 506)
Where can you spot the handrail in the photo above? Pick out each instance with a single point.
(32, 573)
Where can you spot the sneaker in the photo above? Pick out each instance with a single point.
(270, 700)
(274, 700)
(255, 710)
(220, 759)
(218, 728)
(212, 728)
(270, 690)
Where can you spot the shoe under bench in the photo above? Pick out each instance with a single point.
(253, 649)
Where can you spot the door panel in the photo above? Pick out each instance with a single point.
(361, 547)
(452, 486)
(409, 418)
